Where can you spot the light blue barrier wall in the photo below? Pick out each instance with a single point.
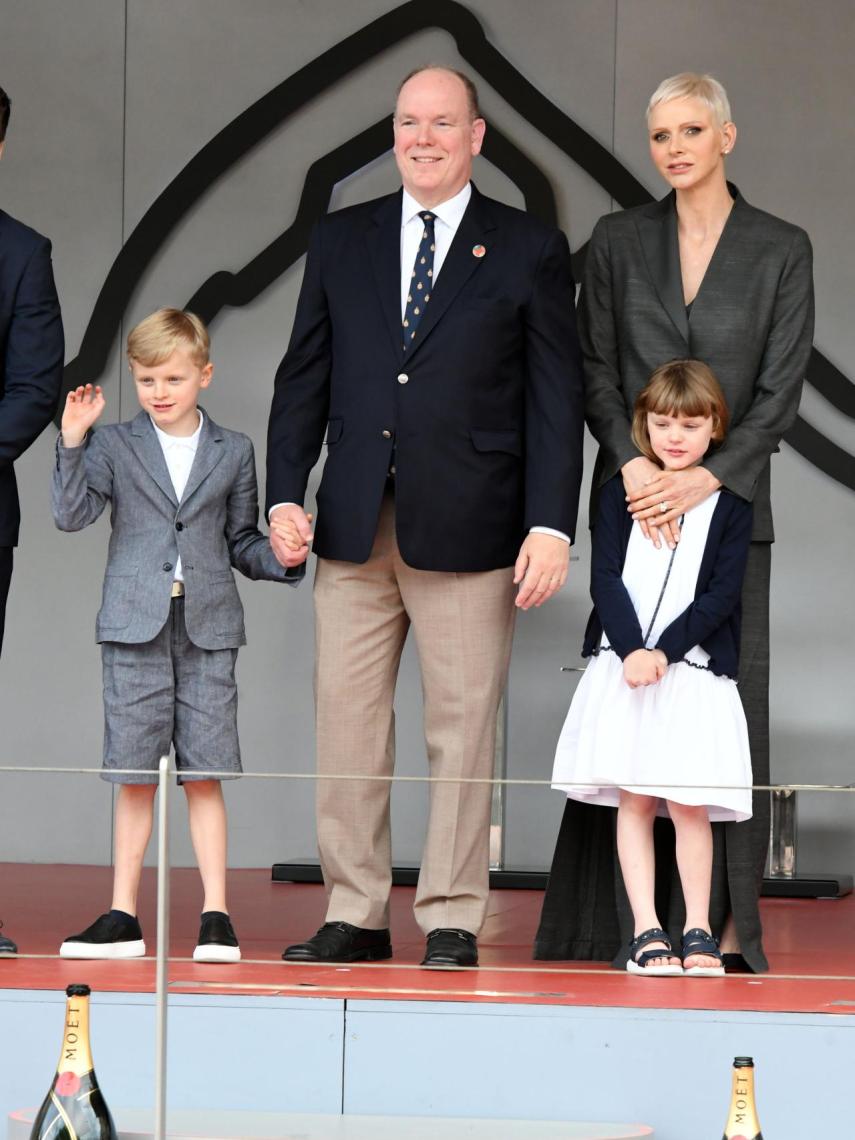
(270, 1054)
(666, 1068)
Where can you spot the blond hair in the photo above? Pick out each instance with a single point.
(679, 388)
(155, 339)
(690, 85)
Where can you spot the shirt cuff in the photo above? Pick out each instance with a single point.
(276, 507)
(549, 530)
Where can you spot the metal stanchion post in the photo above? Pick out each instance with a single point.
(161, 970)
(782, 834)
(783, 879)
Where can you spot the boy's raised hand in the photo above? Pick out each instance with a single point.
(83, 406)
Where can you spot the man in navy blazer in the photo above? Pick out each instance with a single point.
(435, 344)
(31, 358)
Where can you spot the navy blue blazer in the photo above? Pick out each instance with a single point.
(484, 412)
(31, 355)
(713, 618)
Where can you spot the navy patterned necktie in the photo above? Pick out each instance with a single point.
(421, 280)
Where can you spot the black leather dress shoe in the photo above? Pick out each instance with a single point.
(449, 947)
(341, 942)
(7, 946)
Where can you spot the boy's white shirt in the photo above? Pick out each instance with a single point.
(179, 451)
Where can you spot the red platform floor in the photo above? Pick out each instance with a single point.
(810, 945)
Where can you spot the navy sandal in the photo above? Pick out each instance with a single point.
(699, 941)
(637, 962)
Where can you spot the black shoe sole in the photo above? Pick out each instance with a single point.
(380, 954)
(449, 962)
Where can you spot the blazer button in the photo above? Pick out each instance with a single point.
(179, 526)
(167, 566)
(387, 434)
(402, 378)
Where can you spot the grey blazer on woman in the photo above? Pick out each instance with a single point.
(758, 287)
(212, 528)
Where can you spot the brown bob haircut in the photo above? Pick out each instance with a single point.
(680, 388)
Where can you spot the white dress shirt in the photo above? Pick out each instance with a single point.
(179, 451)
(448, 216)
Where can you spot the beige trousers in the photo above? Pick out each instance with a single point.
(463, 625)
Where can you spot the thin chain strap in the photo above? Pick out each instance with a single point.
(662, 591)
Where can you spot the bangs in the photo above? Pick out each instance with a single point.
(673, 397)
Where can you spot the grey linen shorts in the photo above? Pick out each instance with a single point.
(169, 691)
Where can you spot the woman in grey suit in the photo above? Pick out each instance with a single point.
(699, 274)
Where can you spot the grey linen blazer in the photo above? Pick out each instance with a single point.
(751, 322)
(213, 528)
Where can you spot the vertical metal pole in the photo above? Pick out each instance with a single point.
(161, 968)
(782, 834)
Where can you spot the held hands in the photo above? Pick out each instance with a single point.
(541, 568)
(644, 667)
(290, 535)
(83, 406)
(648, 487)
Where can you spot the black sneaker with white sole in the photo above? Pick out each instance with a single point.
(217, 939)
(112, 935)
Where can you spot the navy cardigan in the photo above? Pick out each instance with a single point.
(713, 618)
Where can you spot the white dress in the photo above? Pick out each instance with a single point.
(684, 738)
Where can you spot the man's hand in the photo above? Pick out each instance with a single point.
(678, 490)
(286, 529)
(644, 667)
(83, 406)
(541, 567)
(290, 535)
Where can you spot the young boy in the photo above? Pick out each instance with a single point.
(184, 510)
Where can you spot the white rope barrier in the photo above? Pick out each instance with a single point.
(396, 779)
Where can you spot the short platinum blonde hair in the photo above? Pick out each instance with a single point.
(155, 339)
(690, 85)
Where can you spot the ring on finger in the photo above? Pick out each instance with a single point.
(663, 506)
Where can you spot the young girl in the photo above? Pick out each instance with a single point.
(657, 712)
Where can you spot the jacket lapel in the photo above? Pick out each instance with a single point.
(384, 250)
(476, 228)
(149, 452)
(657, 232)
(208, 454)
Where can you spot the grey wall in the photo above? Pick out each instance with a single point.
(111, 100)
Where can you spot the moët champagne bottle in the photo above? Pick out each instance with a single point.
(74, 1108)
(742, 1122)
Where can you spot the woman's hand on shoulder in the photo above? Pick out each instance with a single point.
(677, 491)
(637, 474)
